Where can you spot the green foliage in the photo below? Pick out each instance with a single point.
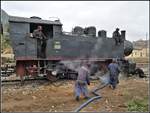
(5, 43)
(138, 105)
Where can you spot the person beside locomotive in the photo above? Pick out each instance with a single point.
(82, 82)
(117, 36)
(114, 70)
(41, 40)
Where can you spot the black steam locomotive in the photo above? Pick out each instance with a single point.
(63, 51)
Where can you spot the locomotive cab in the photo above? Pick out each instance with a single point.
(20, 30)
(47, 29)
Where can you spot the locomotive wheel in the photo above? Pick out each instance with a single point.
(51, 77)
(140, 73)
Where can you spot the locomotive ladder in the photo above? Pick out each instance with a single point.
(39, 67)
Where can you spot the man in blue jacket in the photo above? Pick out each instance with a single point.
(114, 73)
(82, 82)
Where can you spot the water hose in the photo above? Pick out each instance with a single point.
(97, 96)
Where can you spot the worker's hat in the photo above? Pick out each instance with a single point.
(117, 28)
(114, 60)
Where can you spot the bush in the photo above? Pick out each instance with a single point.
(5, 43)
(138, 105)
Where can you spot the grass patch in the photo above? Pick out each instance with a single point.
(138, 105)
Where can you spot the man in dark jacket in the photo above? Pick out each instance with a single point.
(114, 73)
(38, 34)
(117, 36)
(82, 82)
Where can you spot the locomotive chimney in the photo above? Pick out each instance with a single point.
(102, 34)
(123, 33)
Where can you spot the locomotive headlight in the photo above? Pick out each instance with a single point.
(54, 73)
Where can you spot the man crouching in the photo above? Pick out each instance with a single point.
(82, 82)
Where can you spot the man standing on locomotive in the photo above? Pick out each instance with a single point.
(114, 73)
(82, 82)
(37, 33)
(117, 36)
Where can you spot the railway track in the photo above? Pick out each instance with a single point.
(40, 80)
(18, 81)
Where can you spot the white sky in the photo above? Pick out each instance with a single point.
(132, 16)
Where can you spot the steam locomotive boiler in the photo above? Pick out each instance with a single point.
(82, 44)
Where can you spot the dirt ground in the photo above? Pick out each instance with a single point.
(58, 97)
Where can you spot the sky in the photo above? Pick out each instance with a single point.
(132, 16)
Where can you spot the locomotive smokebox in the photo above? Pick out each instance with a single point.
(102, 33)
(128, 48)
